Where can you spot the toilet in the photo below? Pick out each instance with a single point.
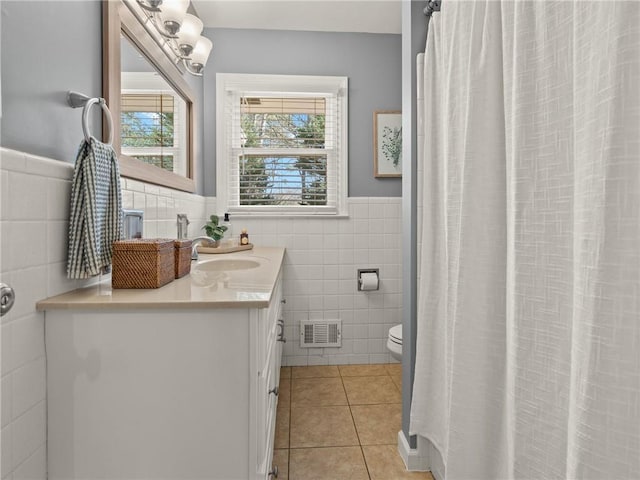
(394, 342)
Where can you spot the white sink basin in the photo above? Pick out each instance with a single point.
(226, 265)
(224, 272)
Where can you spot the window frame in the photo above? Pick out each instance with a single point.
(180, 141)
(271, 85)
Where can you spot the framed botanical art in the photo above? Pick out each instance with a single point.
(387, 143)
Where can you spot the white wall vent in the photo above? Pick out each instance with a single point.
(320, 333)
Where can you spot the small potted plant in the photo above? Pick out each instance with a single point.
(214, 230)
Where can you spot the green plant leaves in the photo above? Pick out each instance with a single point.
(213, 230)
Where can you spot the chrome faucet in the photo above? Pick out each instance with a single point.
(194, 245)
(183, 225)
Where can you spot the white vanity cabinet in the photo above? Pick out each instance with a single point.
(163, 393)
(268, 361)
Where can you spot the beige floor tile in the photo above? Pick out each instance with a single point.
(363, 370)
(384, 463)
(322, 427)
(284, 392)
(317, 391)
(378, 424)
(285, 372)
(344, 463)
(394, 369)
(282, 427)
(397, 380)
(315, 371)
(371, 390)
(281, 460)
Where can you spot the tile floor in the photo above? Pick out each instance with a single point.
(340, 423)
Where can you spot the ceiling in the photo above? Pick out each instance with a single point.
(370, 16)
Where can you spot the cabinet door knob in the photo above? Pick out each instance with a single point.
(274, 390)
(284, 300)
(274, 472)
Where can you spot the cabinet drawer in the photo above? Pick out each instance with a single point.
(270, 379)
(273, 360)
(275, 309)
(271, 433)
(267, 420)
(268, 329)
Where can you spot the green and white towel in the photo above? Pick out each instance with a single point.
(96, 210)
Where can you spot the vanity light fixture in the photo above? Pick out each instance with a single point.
(199, 56)
(189, 34)
(172, 13)
(180, 31)
(150, 5)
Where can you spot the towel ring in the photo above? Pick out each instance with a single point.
(85, 118)
(76, 100)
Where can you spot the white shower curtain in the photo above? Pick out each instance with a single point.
(528, 336)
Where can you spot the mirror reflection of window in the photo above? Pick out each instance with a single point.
(153, 117)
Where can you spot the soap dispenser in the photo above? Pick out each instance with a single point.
(229, 233)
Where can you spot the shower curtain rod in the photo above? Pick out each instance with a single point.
(432, 6)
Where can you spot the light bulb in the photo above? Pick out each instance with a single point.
(172, 13)
(189, 33)
(201, 52)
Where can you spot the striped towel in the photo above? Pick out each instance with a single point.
(96, 210)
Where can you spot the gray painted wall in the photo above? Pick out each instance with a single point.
(371, 61)
(131, 60)
(48, 48)
(0, 72)
(63, 52)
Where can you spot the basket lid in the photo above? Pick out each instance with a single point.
(182, 243)
(143, 244)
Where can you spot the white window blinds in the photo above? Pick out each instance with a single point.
(283, 150)
(153, 128)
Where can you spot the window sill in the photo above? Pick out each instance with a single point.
(287, 215)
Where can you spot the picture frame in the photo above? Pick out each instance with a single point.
(387, 143)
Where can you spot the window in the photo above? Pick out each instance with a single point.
(152, 129)
(282, 143)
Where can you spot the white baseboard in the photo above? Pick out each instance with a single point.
(415, 459)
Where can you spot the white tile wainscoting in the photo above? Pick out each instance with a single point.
(321, 264)
(323, 255)
(33, 244)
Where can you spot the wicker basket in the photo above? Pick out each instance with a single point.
(183, 257)
(143, 263)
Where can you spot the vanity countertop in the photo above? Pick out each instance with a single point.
(228, 284)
